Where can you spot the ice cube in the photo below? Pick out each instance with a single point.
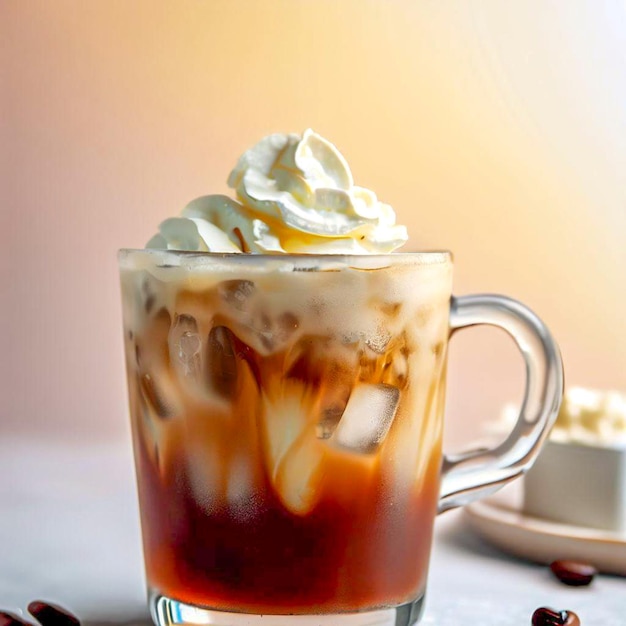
(237, 292)
(378, 342)
(286, 324)
(367, 417)
(263, 331)
(158, 390)
(186, 347)
(225, 355)
(221, 362)
(270, 334)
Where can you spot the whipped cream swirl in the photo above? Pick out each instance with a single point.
(294, 195)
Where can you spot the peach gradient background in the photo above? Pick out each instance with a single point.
(496, 129)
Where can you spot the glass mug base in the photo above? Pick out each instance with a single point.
(169, 612)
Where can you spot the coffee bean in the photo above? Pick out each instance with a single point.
(11, 619)
(549, 617)
(573, 573)
(52, 615)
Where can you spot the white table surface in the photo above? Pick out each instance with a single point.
(69, 533)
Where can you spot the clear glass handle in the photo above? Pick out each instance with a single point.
(477, 473)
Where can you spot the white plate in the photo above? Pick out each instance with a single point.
(506, 527)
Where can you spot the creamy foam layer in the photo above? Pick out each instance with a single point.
(295, 194)
(403, 294)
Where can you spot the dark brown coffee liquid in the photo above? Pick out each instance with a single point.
(357, 549)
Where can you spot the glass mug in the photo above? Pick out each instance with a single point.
(287, 416)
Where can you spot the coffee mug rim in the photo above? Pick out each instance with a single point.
(422, 257)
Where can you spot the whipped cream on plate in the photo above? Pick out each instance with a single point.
(294, 194)
(592, 417)
(587, 416)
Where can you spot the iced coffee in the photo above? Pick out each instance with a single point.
(286, 373)
(286, 378)
(287, 427)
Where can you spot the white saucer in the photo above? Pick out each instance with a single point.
(505, 526)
